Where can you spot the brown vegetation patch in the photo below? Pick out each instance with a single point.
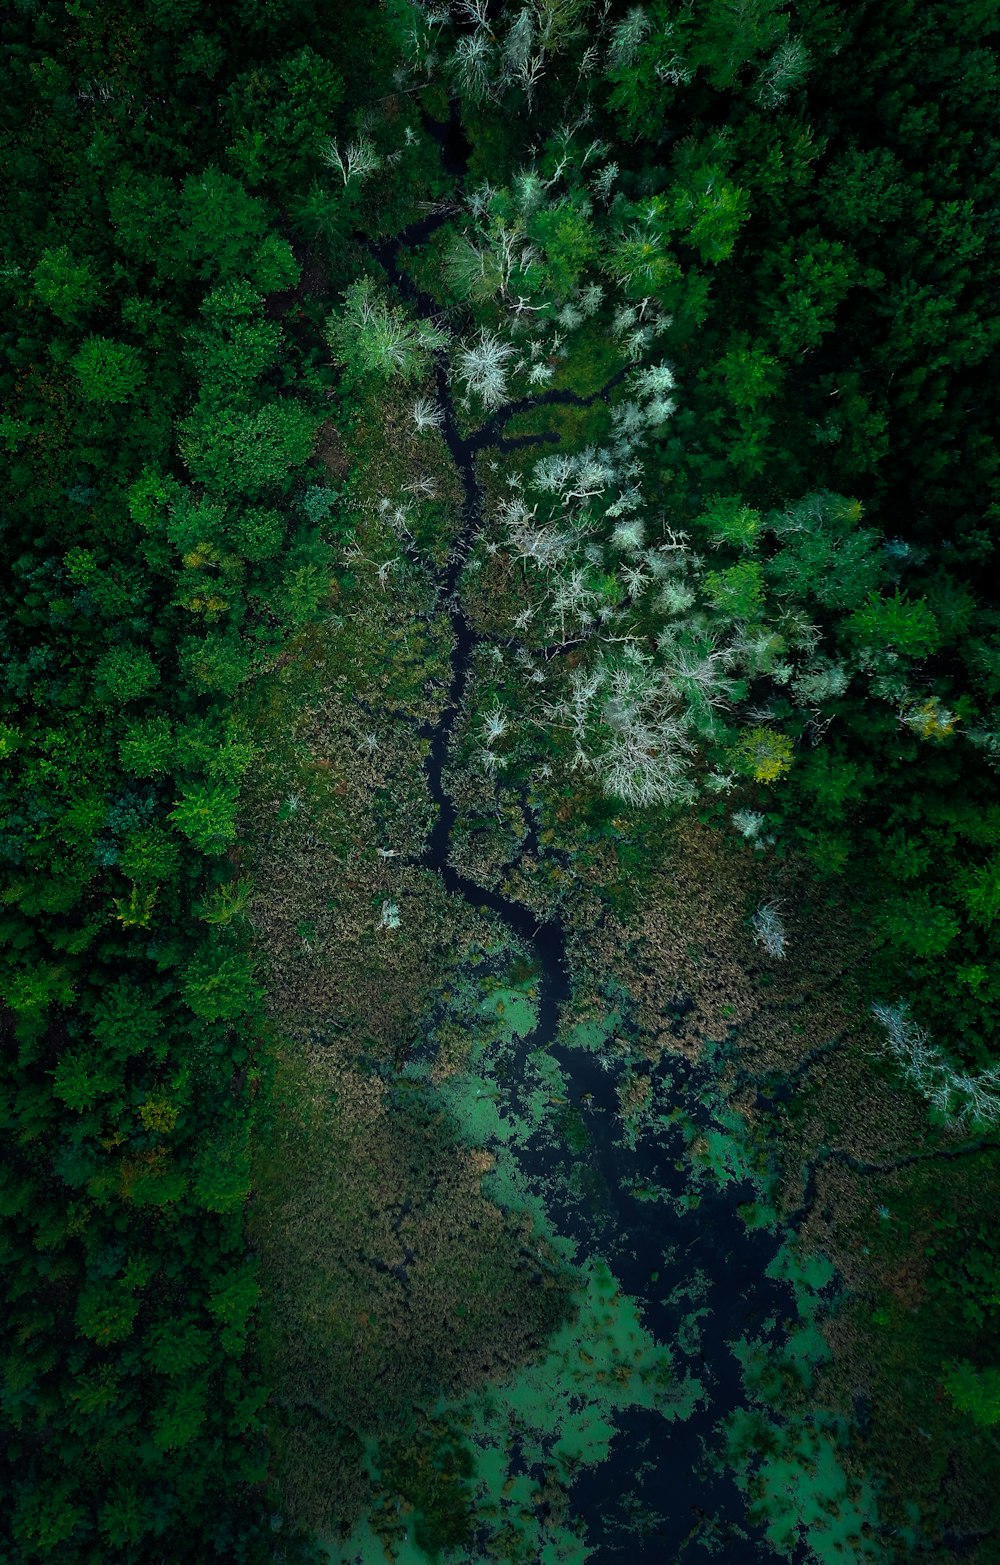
(807, 1070)
(390, 1278)
(330, 451)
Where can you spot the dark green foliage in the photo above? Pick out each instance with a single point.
(107, 371)
(966, 1279)
(278, 112)
(145, 285)
(808, 191)
(236, 346)
(567, 243)
(67, 286)
(844, 350)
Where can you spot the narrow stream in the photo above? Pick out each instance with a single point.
(653, 1247)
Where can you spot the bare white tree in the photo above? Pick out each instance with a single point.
(426, 414)
(474, 59)
(782, 73)
(769, 929)
(357, 160)
(749, 823)
(627, 37)
(494, 724)
(960, 1095)
(482, 365)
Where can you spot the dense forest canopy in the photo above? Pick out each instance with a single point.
(708, 290)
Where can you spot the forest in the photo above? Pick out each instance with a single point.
(500, 737)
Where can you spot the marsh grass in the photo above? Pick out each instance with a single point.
(389, 1279)
(801, 1068)
(573, 426)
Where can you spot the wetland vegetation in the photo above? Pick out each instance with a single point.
(500, 739)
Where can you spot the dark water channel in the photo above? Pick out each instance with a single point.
(664, 1464)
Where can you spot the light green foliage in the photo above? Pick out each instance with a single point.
(640, 257)
(221, 747)
(708, 210)
(235, 346)
(764, 754)
(148, 746)
(107, 371)
(149, 856)
(206, 814)
(897, 621)
(228, 902)
(729, 521)
(247, 453)
(737, 593)
(218, 986)
(371, 336)
(150, 497)
(114, 587)
(975, 1392)
(66, 286)
(125, 674)
(196, 526)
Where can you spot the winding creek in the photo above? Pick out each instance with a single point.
(711, 1290)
